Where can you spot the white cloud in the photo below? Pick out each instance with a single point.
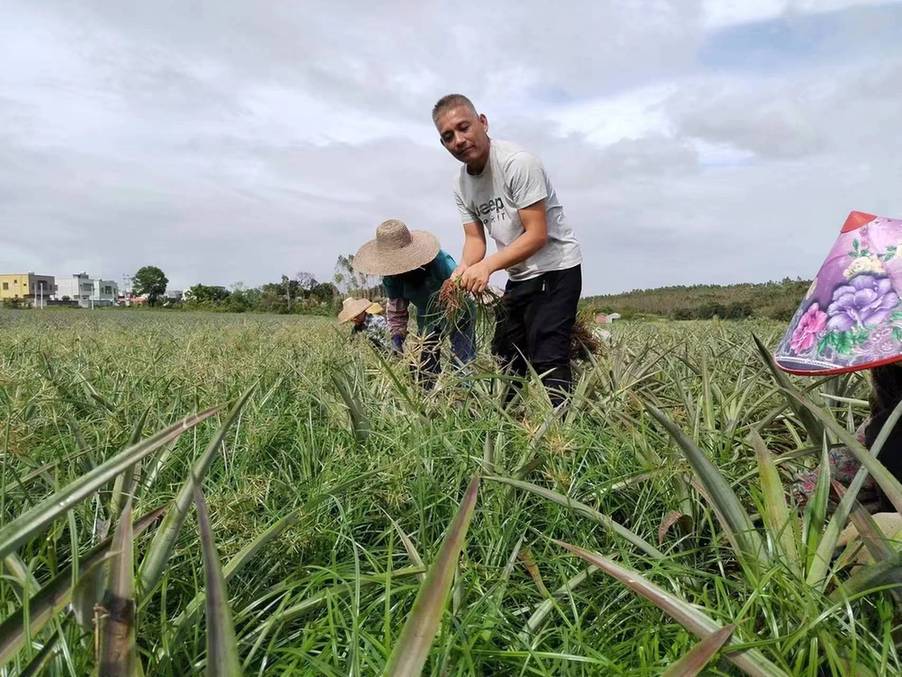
(629, 115)
(721, 13)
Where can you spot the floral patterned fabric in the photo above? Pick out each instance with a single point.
(851, 317)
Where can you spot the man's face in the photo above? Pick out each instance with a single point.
(465, 135)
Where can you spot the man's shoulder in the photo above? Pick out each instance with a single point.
(508, 154)
(504, 150)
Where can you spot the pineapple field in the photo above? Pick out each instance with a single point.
(233, 494)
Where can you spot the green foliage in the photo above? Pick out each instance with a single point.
(322, 519)
(351, 282)
(772, 300)
(203, 295)
(151, 281)
(15, 304)
(302, 295)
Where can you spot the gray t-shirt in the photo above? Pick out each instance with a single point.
(513, 179)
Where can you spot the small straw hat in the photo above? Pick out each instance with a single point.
(375, 309)
(396, 250)
(851, 317)
(351, 308)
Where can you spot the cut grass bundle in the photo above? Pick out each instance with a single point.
(584, 344)
(460, 307)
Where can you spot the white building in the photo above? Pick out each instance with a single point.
(87, 292)
(105, 292)
(78, 287)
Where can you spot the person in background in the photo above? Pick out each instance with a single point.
(504, 191)
(887, 393)
(366, 320)
(413, 268)
(849, 320)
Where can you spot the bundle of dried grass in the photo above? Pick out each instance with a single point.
(461, 307)
(583, 342)
(453, 297)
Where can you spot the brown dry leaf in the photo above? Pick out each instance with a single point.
(526, 558)
(681, 519)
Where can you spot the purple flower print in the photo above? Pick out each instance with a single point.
(810, 325)
(864, 302)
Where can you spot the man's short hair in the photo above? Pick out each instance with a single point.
(451, 101)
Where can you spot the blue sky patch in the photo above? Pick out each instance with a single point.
(798, 41)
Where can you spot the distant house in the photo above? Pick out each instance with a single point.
(87, 292)
(28, 287)
(601, 318)
(78, 288)
(105, 292)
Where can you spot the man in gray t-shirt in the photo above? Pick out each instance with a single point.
(504, 190)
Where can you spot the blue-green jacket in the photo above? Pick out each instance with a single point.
(421, 288)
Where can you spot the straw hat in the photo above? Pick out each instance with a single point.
(351, 308)
(851, 317)
(396, 250)
(375, 309)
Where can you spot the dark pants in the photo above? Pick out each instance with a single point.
(535, 323)
(887, 381)
(463, 347)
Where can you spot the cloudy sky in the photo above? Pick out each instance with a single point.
(233, 141)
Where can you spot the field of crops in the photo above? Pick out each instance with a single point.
(650, 522)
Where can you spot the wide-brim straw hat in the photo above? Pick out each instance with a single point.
(375, 309)
(396, 250)
(351, 308)
(851, 317)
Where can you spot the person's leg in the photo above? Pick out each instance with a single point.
(463, 345)
(463, 338)
(887, 384)
(549, 327)
(509, 342)
(430, 361)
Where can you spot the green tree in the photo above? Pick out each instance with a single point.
(202, 294)
(349, 281)
(324, 292)
(151, 281)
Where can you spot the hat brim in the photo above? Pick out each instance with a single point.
(810, 368)
(850, 319)
(354, 309)
(422, 249)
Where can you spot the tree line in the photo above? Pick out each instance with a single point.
(301, 293)
(773, 300)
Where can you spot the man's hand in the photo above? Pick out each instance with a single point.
(457, 272)
(476, 278)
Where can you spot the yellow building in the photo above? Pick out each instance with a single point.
(27, 286)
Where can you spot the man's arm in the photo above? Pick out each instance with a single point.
(474, 247)
(534, 236)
